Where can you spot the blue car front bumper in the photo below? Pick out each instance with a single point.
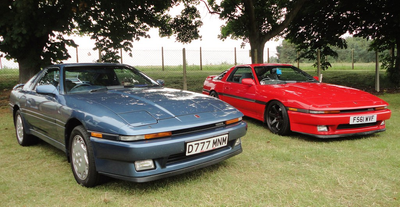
(117, 159)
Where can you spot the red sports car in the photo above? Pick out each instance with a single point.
(288, 99)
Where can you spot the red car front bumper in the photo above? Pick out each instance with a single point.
(336, 125)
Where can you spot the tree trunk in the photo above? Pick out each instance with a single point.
(394, 70)
(257, 52)
(27, 69)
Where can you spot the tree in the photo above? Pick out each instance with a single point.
(361, 49)
(34, 31)
(256, 21)
(286, 52)
(321, 25)
(380, 21)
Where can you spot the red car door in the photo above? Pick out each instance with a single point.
(241, 96)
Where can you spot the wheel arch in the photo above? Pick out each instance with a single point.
(71, 124)
(15, 109)
(286, 129)
(266, 106)
(213, 91)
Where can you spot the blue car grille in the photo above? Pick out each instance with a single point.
(197, 129)
(182, 156)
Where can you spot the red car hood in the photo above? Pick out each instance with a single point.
(321, 95)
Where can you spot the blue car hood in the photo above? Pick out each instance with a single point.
(149, 105)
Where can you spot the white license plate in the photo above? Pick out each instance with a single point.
(205, 145)
(363, 119)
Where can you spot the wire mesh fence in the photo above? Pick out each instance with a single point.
(154, 59)
(168, 58)
(157, 57)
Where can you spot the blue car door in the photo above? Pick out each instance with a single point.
(41, 109)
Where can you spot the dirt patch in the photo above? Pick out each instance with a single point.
(4, 97)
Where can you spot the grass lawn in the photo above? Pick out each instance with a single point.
(272, 171)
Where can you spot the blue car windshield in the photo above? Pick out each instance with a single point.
(91, 79)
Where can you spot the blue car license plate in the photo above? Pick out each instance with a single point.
(205, 145)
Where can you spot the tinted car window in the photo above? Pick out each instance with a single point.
(51, 77)
(239, 74)
(220, 76)
(94, 78)
(281, 74)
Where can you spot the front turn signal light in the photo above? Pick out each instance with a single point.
(96, 134)
(157, 135)
(145, 136)
(380, 108)
(232, 121)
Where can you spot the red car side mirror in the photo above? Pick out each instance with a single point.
(248, 81)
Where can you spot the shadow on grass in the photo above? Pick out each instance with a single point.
(185, 179)
(109, 184)
(304, 137)
(325, 140)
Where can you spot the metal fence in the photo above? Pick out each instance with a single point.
(159, 57)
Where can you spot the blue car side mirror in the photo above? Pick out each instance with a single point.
(47, 89)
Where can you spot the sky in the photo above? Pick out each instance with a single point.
(209, 41)
(209, 32)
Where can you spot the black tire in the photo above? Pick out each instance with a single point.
(277, 118)
(82, 158)
(23, 138)
(214, 94)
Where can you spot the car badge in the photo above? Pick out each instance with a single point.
(197, 116)
(354, 102)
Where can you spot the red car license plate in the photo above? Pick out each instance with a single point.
(363, 119)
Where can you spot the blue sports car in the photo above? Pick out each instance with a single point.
(111, 119)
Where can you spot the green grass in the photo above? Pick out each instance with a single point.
(362, 77)
(8, 78)
(272, 170)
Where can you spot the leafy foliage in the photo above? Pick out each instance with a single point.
(33, 32)
(356, 46)
(255, 21)
(321, 25)
(381, 23)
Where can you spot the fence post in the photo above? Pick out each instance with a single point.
(268, 55)
(377, 88)
(319, 65)
(120, 52)
(100, 56)
(77, 55)
(298, 61)
(201, 60)
(162, 58)
(352, 59)
(235, 55)
(184, 69)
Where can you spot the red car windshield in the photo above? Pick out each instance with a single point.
(281, 74)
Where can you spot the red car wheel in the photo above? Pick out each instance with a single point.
(277, 118)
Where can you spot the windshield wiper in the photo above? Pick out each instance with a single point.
(98, 89)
